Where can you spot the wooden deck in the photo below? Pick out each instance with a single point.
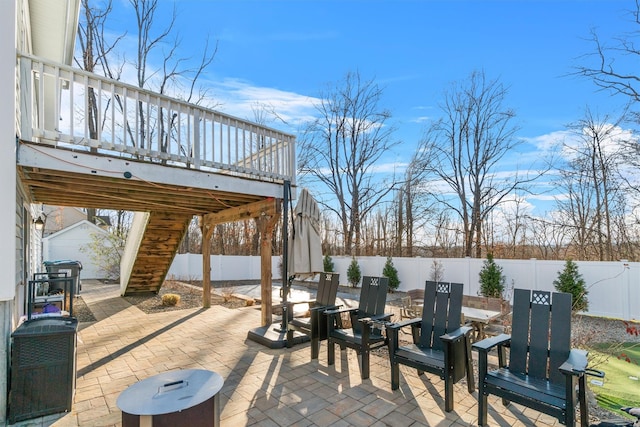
(151, 154)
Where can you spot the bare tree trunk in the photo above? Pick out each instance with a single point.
(464, 148)
(347, 140)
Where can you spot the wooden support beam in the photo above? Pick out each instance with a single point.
(267, 213)
(267, 207)
(207, 233)
(265, 225)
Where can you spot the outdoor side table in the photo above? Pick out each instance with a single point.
(188, 397)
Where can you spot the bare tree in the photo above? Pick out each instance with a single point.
(612, 66)
(175, 69)
(592, 187)
(607, 67)
(95, 49)
(406, 204)
(514, 227)
(342, 147)
(447, 237)
(464, 149)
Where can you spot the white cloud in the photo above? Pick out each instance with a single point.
(421, 119)
(239, 98)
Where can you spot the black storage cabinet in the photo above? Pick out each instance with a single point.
(43, 367)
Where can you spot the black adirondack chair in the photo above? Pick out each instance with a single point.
(367, 320)
(440, 345)
(315, 326)
(543, 370)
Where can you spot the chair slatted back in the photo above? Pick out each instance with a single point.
(373, 298)
(541, 333)
(441, 312)
(327, 289)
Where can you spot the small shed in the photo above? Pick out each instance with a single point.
(66, 244)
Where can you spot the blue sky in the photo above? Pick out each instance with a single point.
(284, 53)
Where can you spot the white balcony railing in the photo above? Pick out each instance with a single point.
(63, 106)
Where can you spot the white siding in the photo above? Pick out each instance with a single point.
(67, 244)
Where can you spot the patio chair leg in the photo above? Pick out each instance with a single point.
(482, 408)
(289, 338)
(448, 393)
(471, 385)
(331, 352)
(365, 364)
(570, 413)
(395, 376)
(315, 348)
(582, 396)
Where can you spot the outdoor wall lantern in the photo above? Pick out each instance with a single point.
(39, 223)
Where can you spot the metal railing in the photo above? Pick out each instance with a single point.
(63, 106)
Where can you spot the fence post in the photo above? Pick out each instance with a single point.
(625, 292)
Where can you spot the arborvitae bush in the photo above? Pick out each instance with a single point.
(391, 272)
(491, 279)
(328, 264)
(571, 281)
(353, 273)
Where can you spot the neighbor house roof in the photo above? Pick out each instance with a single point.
(93, 227)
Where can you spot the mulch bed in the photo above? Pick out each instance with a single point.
(190, 297)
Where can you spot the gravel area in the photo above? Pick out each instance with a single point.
(81, 311)
(588, 330)
(190, 297)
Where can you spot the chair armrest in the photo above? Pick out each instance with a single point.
(380, 318)
(457, 334)
(339, 310)
(576, 363)
(403, 323)
(487, 344)
(325, 307)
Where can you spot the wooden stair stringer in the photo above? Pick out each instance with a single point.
(160, 241)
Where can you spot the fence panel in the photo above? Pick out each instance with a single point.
(613, 286)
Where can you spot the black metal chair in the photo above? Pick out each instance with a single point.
(367, 322)
(440, 345)
(543, 370)
(315, 326)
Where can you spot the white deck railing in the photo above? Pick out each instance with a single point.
(58, 105)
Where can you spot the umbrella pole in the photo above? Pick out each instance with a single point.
(285, 253)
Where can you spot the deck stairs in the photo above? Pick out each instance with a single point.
(152, 243)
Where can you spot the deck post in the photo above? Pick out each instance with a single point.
(266, 224)
(207, 232)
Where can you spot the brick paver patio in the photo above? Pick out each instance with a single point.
(262, 386)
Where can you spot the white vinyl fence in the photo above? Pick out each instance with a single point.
(614, 287)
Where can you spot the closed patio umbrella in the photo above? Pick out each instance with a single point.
(305, 247)
(302, 258)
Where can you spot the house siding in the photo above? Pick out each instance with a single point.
(12, 217)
